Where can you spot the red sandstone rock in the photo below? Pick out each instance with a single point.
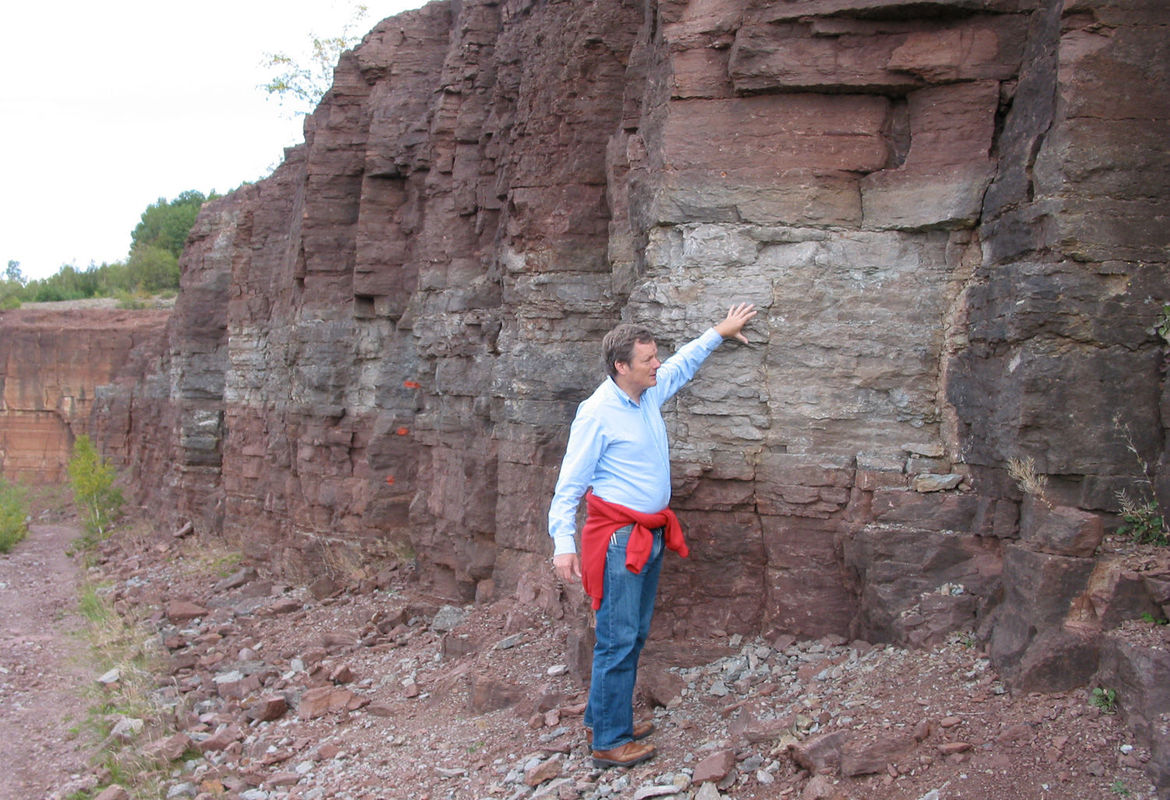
(821, 754)
(286, 606)
(268, 708)
(544, 771)
(758, 731)
(489, 694)
(872, 757)
(342, 673)
(659, 685)
(951, 748)
(113, 792)
(324, 587)
(1059, 530)
(222, 739)
(172, 747)
(184, 611)
(714, 767)
(323, 700)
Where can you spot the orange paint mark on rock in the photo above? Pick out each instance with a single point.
(402, 431)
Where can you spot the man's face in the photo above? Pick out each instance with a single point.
(639, 374)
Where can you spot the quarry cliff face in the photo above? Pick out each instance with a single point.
(950, 214)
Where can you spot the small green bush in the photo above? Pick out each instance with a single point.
(13, 515)
(1104, 699)
(128, 301)
(1142, 522)
(1162, 323)
(94, 493)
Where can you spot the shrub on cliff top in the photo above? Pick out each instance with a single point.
(300, 81)
(92, 480)
(13, 515)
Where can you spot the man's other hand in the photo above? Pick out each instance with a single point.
(737, 317)
(567, 566)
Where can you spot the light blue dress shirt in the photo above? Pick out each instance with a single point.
(619, 447)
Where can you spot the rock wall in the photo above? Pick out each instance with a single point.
(951, 214)
(52, 365)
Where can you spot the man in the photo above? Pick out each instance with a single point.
(617, 456)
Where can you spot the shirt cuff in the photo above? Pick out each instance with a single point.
(563, 545)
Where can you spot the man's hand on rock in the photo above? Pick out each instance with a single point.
(737, 317)
(567, 566)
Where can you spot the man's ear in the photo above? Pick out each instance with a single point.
(622, 367)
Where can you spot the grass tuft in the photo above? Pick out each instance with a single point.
(1023, 472)
(122, 643)
(13, 515)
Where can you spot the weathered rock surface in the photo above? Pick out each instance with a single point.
(378, 348)
(1135, 669)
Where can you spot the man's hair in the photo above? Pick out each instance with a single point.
(618, 345)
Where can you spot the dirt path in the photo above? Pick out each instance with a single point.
(42, 666)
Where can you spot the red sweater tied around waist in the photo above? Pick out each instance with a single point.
(603, 518)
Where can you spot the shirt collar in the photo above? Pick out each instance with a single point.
(616, 392)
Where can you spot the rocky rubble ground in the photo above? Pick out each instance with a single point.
(369, 690)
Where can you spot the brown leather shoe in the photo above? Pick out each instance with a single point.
(641, 731)
(627, 755)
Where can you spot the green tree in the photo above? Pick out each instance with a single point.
(14, 274)
(114, 279)
(166, 224)
(92, 480)
(299, 84)
(9, 296)
(11, 286)
(152, 269)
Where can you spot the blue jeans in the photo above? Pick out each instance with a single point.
(623, 623)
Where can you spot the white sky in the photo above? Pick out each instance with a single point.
(107, 106)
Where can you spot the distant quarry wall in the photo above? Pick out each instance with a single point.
(952, 215)
(53, 363)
